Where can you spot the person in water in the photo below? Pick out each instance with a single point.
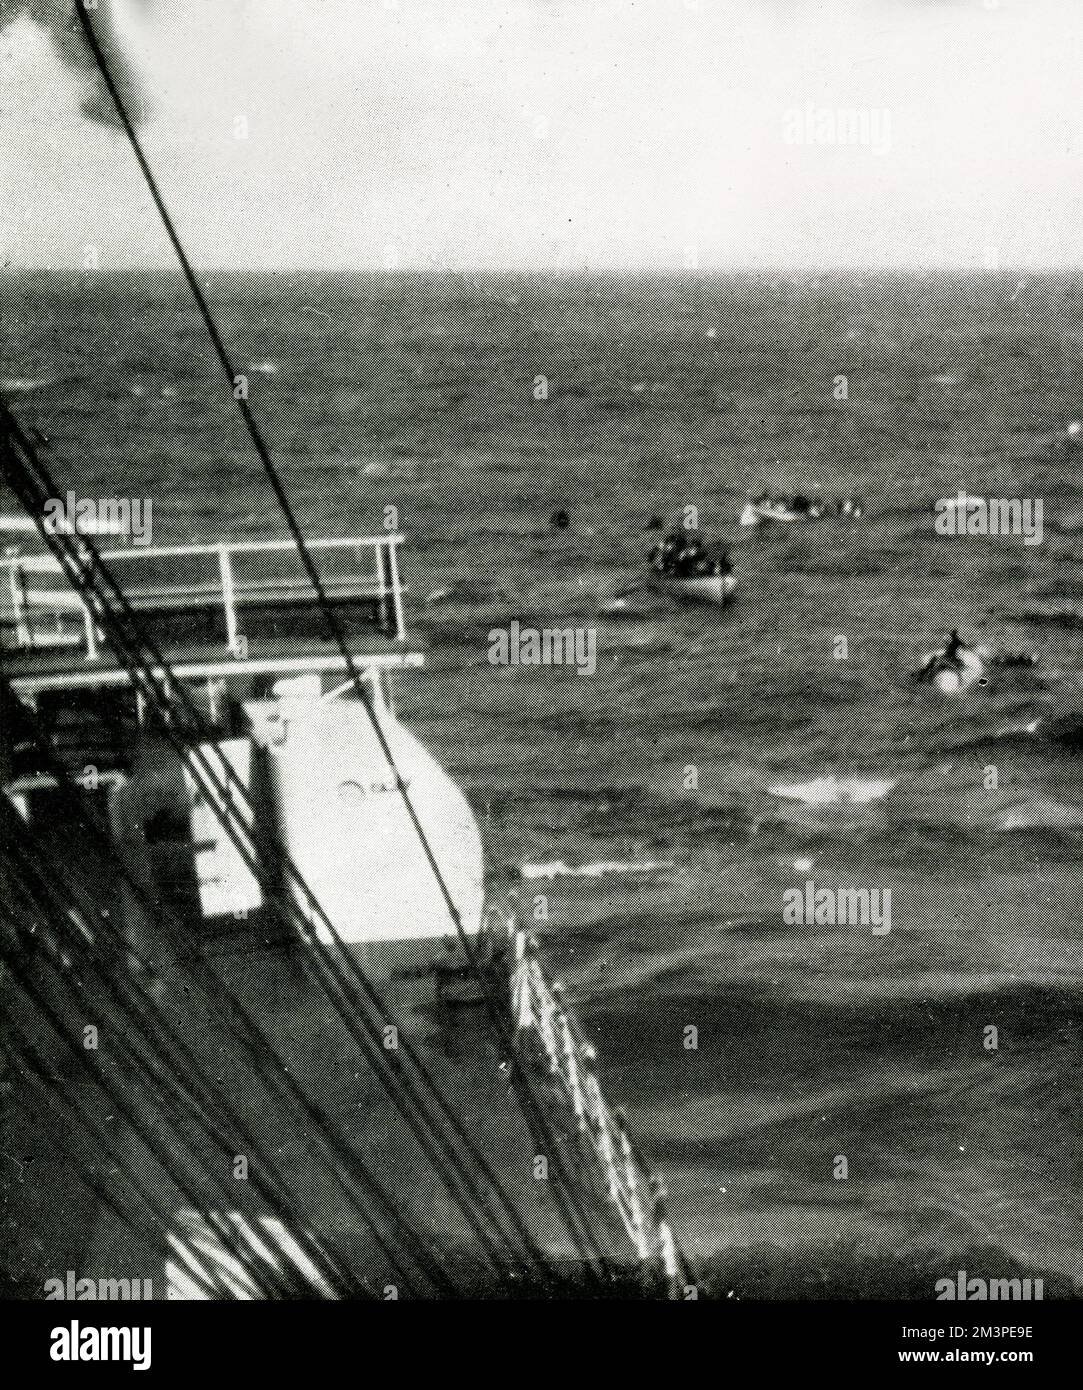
(665, 555)
(952, 655)
(692, 557)
(955, 645)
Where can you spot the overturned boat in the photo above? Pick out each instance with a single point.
(800, 508)
(952, 671)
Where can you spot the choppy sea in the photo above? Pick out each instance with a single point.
(812, 1044)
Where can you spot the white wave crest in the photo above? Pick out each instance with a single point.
(835, 791)
(557, 868)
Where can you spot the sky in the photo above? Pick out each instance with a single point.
(553, 134)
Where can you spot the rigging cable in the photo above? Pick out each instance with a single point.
(163, 1072)
(153, 695)
(163, 1155)
(81, 562)
(156, 1086)
(573, 1214)
(48, 1086)
(262, 1055)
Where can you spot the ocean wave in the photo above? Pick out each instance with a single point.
(1065, 732)
(557, 868)
(1026, 732)
(834, 791)
(467, 591)
(1037, 812)
(398, 469)
(1067, 620)
(842, 568)
(16, 384)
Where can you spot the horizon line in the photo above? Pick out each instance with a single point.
(661, 272)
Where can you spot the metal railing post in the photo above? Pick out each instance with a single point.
(225, 570)
(637, 1195)
(19, 606)
(91, 634)
(396, 590)
(381, 585)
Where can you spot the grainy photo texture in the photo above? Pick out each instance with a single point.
(542, 632)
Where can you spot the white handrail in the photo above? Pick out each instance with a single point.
(49, 564)
(220, 587)
(538, 1010)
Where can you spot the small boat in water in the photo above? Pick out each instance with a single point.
(799, 508)
(700, 588)
(683, 566)
(218, 841)
(756, 512)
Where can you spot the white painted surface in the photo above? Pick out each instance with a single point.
(344, 823)
(226, 885)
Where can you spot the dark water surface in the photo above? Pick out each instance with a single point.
(813, 1041)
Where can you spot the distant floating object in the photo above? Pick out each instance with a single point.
(560, 519)
(385, 468)
(712, 333)
(1015, 660)
(1070, 438)
(952, 673)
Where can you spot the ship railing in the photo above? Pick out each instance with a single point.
(201, 578)
(541, 1012)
